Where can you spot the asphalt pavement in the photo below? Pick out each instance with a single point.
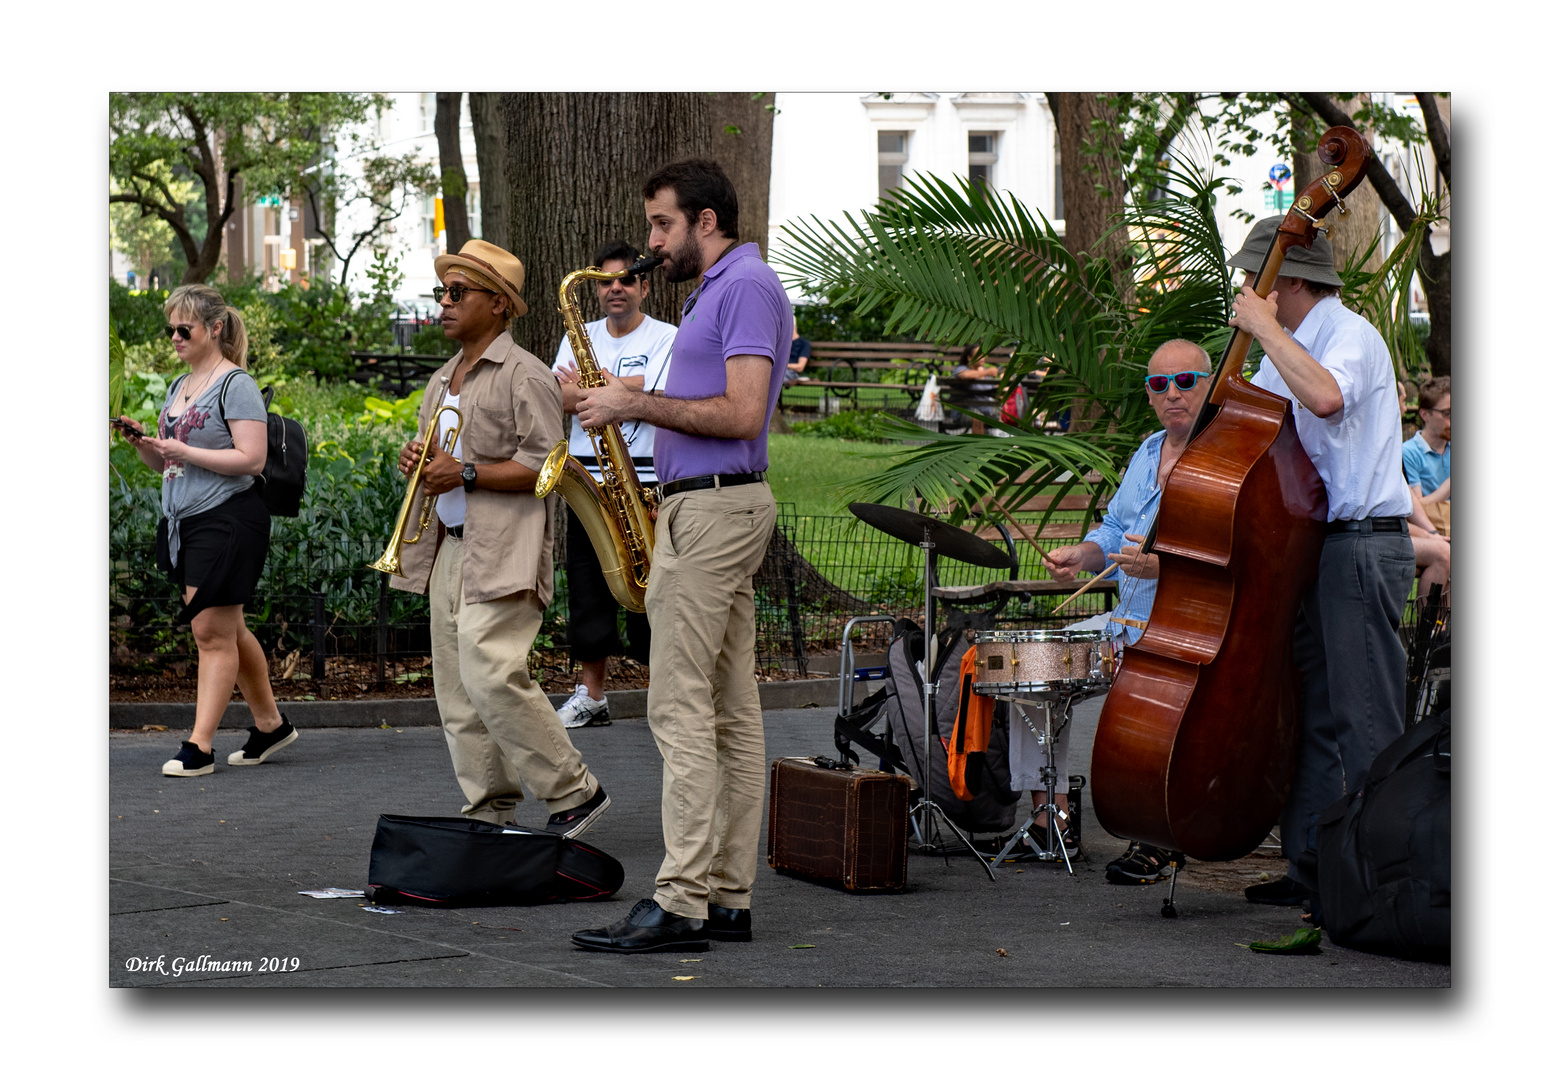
(205, 877)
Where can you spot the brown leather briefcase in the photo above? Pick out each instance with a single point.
(845, 827)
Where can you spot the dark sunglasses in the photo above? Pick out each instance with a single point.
(182, 331)
(627, 280)
(1184, 380)
(457, 293)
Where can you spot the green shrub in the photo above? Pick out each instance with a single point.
(853, 425)
(136, 313)
(430, 341)
(826, 322)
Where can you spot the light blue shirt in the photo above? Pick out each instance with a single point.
(1423, 466)
(1132, 510)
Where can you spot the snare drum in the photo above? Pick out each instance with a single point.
(1044, 663)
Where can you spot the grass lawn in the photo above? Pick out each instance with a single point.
(807, 471)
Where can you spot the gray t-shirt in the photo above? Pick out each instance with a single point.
(189, 489)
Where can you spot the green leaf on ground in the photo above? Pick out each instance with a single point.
(1306, 941)
(804, 946)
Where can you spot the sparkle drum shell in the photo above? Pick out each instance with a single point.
(1062, 663)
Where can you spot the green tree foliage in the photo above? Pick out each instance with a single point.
(211, 140)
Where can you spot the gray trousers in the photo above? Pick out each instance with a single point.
(1353, 671)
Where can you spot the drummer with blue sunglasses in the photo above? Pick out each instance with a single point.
(1177, 383)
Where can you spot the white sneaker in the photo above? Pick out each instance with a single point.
(582, 710)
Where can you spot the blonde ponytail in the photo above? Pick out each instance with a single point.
(234, 341)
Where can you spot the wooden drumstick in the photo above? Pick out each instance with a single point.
(1087, 585)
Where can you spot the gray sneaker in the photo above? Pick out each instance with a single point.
(582, 710)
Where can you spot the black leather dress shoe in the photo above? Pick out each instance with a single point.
(648, 928)
(1284, 892)
(729, 924)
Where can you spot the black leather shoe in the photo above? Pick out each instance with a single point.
(1284, 892)
(648, 928)
(729, 924)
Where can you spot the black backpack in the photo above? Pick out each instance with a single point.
(1384, 858)
(899, 706)
(286, 470)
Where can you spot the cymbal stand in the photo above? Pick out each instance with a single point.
(926, 808)
(1056, 846)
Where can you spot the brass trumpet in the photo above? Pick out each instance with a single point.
(390, 561)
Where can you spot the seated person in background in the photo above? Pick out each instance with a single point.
(1177, 383)
(801, 352)
(978, 383)
(1427, 457)
(1426, 466)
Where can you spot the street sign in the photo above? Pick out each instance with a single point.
(1279, 174)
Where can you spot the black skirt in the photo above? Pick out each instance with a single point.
(221, 552)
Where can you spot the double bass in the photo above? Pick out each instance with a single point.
(1196, 739)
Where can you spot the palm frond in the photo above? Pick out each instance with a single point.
(961, 264)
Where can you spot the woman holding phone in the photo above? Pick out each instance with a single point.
(215, 531)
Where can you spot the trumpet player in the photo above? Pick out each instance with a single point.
(634, 347)
(488, 568)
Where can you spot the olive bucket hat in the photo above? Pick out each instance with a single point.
(1314, 263)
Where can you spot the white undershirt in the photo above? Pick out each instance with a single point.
(452, 504)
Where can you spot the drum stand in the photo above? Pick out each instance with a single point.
(922, 813)
(1056, 846)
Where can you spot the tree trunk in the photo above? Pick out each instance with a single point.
(1348, 235)
(1091, 161)
(574, 164)
(487, 128)
(1435, 271)
(452, 171)
(743, 128)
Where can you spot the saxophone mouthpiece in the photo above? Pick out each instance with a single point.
(644, 265)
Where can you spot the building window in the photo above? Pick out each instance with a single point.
(429, 209)
(429, 104)
(474, 208)
(983, 157)
(893, 152)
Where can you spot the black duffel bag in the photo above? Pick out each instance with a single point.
(461, 862)
(1384, 856)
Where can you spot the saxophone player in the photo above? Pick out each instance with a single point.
(635, 347)
(488, 573)
(714, 523)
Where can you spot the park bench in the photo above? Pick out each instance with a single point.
(397, 373)
(842, 369)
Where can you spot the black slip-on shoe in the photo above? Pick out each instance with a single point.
(729, 924)
(648, 928)
(191, 760)
(570, 823)
(262, 744)
(1283, 892)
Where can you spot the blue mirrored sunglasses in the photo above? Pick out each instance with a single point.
(1184, 380)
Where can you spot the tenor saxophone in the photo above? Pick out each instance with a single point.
(615, 512)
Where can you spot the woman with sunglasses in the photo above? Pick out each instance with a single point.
(215, 531)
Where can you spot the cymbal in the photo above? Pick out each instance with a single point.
(950, 542)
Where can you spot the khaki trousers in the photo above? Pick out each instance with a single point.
(703, 698)
(499, 725)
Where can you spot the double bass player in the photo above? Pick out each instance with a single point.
(1335, 368)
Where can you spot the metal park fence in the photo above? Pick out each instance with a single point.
(331, 619)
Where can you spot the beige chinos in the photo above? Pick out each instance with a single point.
(703, 699)
(479, 669)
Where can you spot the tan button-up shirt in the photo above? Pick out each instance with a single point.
(511, 410)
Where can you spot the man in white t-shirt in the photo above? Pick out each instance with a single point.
(635, 348)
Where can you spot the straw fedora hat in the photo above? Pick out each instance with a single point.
(492, 264)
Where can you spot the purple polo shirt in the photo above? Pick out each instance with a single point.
(741, 310)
